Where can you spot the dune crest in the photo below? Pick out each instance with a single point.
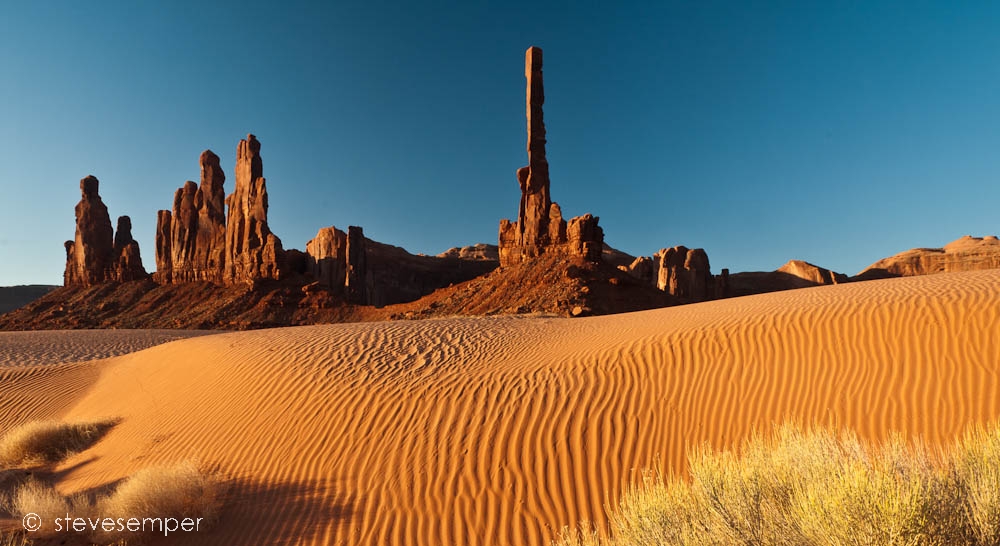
(503, 430)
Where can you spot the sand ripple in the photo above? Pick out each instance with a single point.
(56, 346)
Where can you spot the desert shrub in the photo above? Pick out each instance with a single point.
(816, 487)
(42, 442)
(975, 466)
(39, 498)
(178, 491)
(181, 491)
(14, 539)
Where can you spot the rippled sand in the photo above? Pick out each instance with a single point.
(500, 431)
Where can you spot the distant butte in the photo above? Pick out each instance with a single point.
(965, 254)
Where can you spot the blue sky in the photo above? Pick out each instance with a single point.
(834, 132)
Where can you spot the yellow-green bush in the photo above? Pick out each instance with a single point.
(817, 487)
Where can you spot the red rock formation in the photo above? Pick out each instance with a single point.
(99, 254)
(357, 274)
(367, 272)
(812, 273)
(540, 226)
(685, 273)
(339, 261)
(585, 237)
(642, 268)
(127, 263)
(722, 285)
(965, 254)
(183, 230)
(89, 256)
(252, 251)
(197, 233)
(328, 257)
(681, 272)
(164, 261)
(477, 252)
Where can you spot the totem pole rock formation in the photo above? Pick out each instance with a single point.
(89, 255)
(252, 251)
(198, 241)
(540, 226)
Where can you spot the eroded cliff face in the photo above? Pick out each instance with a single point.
(96, 254)
(540, 227)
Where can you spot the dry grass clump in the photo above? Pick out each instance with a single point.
(817, 487)
(14, 540)
(177, 491)
(40, 498)
(43, 442)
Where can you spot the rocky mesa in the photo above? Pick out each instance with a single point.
(965, 254)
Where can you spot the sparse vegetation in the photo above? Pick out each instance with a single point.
(14, 540)
(817, 487)
(179, 491)
(43, 442)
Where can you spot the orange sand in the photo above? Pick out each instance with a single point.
(502, 430)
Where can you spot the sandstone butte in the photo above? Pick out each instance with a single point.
(965, 254)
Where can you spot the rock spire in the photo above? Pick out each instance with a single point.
(540, 226)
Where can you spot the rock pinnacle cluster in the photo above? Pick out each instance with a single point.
(97, 254)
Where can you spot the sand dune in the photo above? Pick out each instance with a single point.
(502, 430)
(48, 347)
